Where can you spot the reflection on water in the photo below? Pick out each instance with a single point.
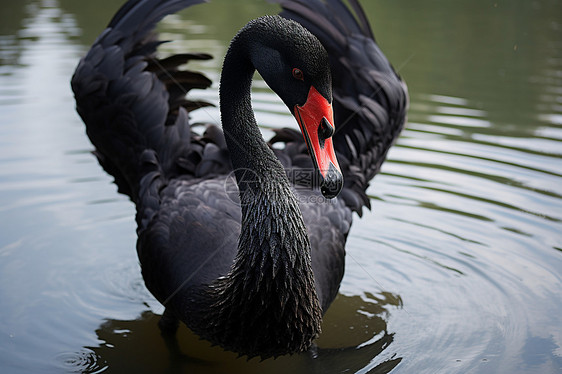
(457, 268)
(356, 332)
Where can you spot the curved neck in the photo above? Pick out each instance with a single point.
(248, 150)
(267, 304)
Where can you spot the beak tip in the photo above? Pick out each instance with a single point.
(332, 182)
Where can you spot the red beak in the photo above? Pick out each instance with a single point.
(316, 120)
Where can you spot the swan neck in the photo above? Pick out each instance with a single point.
(247, 147)
(269, 291)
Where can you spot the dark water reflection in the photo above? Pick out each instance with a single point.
(356, 333)
(457, 268)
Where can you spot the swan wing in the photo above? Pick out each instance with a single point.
(134, 105)
(370, 98)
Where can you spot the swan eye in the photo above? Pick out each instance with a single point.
(297, 74)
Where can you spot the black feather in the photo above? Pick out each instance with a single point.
(370, 99)
(217, 259)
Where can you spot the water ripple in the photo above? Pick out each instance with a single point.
(457, 268)
(85, 361)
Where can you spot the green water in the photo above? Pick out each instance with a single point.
(456, 269)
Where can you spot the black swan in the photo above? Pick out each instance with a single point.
(254, 270)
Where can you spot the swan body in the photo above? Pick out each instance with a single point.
(250, 262)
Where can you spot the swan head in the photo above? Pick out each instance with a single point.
(295, 65)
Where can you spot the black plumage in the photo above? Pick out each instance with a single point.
(252, 271)
(370, 99)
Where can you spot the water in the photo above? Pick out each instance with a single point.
(456, 269)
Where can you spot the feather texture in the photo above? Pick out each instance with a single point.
(223, 264)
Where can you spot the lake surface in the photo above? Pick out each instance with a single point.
(456, 269)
